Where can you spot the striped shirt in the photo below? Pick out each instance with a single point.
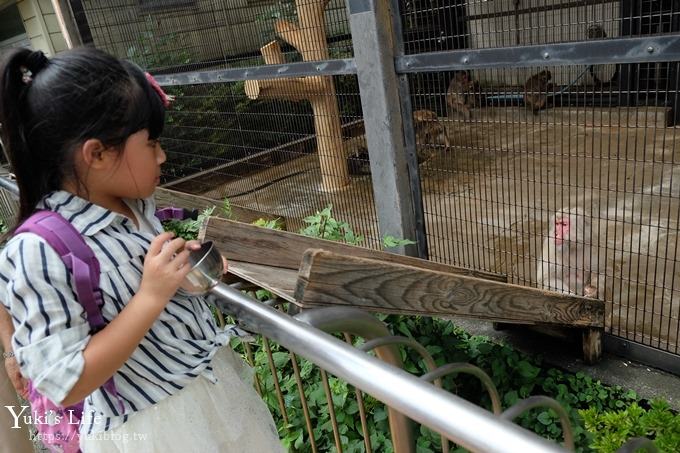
(52, 330)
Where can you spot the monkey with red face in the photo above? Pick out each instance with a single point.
(568, 263)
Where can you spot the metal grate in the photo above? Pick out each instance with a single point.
(610, 169)
(199, 34)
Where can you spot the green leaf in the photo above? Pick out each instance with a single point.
(545, 418)
(527, 370)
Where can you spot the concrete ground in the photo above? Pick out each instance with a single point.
(613, 370)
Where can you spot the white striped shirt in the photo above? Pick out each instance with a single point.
(52, 330)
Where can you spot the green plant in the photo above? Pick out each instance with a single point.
(157, 49)
(188, 229)
(226, 208)
(323, 225)
(275, 224)
(389, 241)
(612, 428)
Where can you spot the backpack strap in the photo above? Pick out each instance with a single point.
(77, 256)
(80, 260)
(176, 214)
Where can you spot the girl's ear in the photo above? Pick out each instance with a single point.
(93, 154)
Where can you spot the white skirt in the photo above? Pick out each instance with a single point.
(225, 417)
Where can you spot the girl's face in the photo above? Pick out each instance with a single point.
(139, 169)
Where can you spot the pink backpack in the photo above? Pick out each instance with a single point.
(58, 426)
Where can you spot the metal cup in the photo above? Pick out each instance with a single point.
(206, 270)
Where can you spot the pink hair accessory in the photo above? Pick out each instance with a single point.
(165, 98)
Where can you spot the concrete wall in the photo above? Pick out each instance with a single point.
(41, 25)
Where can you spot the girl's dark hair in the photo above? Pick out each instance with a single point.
(47, 112)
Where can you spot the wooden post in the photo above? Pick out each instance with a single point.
(592, 345)
(309, 38)
(592, 340)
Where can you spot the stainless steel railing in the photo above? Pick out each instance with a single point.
(464, 423)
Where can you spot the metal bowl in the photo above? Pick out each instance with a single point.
(206, 269)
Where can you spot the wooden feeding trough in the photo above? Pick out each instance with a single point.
(312, 272)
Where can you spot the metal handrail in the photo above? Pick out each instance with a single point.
(357, 322)
(466, 424)
(467, 368)
(543, 401)
(424, 354)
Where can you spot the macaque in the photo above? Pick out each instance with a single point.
(430, 132)
(460, 95)
(601, 73)
(536, 91)
(568, 263)
(357, 159)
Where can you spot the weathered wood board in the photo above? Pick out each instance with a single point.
(248, 243)
(277, 280)
(167, 197)
(327, 278)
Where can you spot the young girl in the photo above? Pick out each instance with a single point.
(81, 131)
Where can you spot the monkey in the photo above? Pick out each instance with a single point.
(601, 73)
(459, 96)
(568, 263)
(357, 159)
(429, 131)
(536, 91)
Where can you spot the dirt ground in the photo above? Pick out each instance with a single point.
(488, 201)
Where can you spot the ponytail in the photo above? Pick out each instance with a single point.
(18, 70)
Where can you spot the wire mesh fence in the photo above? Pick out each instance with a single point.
(186, 35)
(436, 25)
(557, 185)
(509, 158)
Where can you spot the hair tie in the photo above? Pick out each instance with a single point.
(35, 62)
(165, 98)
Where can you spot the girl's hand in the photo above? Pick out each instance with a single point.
(18, 381)
(165, 266)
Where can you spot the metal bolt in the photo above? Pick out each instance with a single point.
(408, 64)
(650, 49)
(466, 60)
(546, 55)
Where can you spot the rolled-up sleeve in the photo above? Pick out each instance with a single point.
(51, 331)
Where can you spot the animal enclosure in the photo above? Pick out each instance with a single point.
(535, 139)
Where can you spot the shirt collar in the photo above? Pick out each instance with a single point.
(87, 217)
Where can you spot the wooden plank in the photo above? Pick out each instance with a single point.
(248, 243)
(592, 345)
(168, 197)
(332, 279)
(274, 279)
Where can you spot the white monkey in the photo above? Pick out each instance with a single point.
(568, 263)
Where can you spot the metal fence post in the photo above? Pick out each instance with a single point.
(409, 134)
(373, 38)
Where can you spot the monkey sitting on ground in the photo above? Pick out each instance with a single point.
(536, 91)
(460, 95)
(568, 263)
(430, 133)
